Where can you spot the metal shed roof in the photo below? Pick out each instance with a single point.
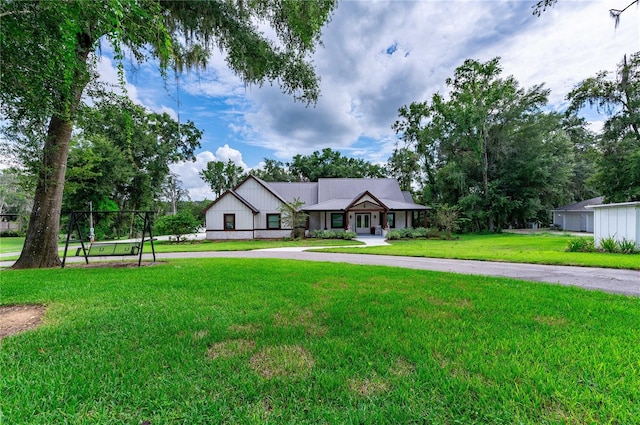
(580, 206)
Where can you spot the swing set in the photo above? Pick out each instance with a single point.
(90, 248)
(113, 248)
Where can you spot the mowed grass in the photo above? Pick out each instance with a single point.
(11, 245)
(275, 341)
(242, 245)
(543, 248)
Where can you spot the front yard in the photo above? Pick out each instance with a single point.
(274, 341)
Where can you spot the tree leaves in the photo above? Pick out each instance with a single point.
(488, 148)
(618, 175)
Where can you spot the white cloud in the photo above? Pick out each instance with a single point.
(108, 74)
(380, 55)
(567, 44)
(595, 126)
(217, 81)
(189, 171)
(226, 154)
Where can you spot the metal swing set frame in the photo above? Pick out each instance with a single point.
(109, 248)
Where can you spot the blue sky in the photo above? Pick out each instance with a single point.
(376, 57)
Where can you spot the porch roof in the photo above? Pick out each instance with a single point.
(344, 203)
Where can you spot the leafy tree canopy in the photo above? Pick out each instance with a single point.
(488, 148)
(618, 166)
(222, 176)
(331, 163)
(122, 153)
(46, 49)
(274, 171)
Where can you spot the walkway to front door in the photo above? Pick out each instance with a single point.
(363, 223)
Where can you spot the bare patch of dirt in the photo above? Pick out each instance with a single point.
(402, 368)
(368, 387)
(282, 361)
(19, 318)
(551, 321)
(304, 318)
(230, 348)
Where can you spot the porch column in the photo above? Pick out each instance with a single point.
(346, 220)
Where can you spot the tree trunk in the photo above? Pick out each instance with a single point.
(485, 174)
(40, 248)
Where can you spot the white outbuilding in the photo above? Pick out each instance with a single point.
(617, 221)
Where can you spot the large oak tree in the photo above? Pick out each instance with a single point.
(487, 147)
(47, 51)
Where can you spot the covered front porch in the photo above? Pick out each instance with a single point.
(366, 215)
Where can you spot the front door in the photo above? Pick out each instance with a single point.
(363, 223)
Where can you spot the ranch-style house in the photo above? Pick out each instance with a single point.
(251, 210)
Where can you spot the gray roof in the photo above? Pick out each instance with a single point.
(334, 194)
(408, 197)
(342, 204)
(330, 205)
(307, 192)
(350, 188)
(395, 205)
(581, 206)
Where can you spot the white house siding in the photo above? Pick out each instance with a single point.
(617, 221)
(229, 235)
(315, 220)
(402, 219)
(272, 234)
(263, 200)
(229, 204)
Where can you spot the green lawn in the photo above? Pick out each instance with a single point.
(509, 247)
(8, 245)
(270, 341)
(244, 245)
(11, 245)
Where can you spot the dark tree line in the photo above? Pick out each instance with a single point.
(302, 168)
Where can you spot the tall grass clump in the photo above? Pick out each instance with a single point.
(609, 244)
(580, 245)
(627, 246)
(624, 246)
